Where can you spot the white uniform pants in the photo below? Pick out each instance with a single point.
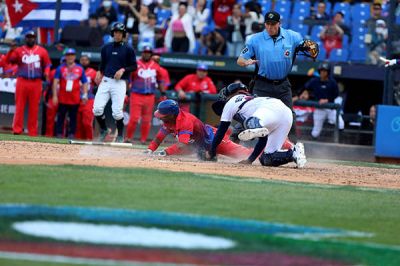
(277, 118)
(114, 89)
(320, 115)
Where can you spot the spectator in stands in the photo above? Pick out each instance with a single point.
(320, 15)
(213, 42)
(338, 18)
(201, 17)
(236, 31)
(369, 124)
(131, 21)
(222, 10)
(159, 40)
(252, 15)
(322, 89)
(194, 83)
(104, 26)
(332, 36)
(180, 35)
(147, 32)
(377, 45)
(107, 9)
(376, 13)
(92, 21)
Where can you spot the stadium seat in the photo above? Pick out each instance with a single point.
(301, 10)
(345, 42)
(93, 5)
(315, 31)
(339, 55)
(358, 52)
(163, 15)
(322, 52)
(345, 9)
(265, 5)
(300, 28)
(283, 8)
(360, 12)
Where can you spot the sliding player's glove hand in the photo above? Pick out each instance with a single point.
(311, 48)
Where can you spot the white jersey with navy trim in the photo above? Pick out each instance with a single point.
(272, 113)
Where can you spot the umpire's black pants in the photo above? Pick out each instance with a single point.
(279, 90)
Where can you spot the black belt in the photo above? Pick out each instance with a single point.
(272, 81)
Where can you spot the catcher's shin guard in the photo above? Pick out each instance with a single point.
(277, 158)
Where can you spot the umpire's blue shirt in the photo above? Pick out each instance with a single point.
(274, 58)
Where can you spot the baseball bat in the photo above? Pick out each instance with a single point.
(112, 144)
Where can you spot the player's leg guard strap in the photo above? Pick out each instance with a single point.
(252, 122)
(277, 158)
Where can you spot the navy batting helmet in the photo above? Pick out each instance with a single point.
(118, 26)
(324, 66)
(167, 107)
(231, 89)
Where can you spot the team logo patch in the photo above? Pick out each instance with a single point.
(287, 53)
(245, 50)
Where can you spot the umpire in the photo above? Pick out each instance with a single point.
(274, 51)
(118, 60)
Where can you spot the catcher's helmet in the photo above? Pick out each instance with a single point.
(167, 107)
(118, 26)
(231, 89)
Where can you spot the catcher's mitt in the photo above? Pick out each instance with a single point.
(310, 49)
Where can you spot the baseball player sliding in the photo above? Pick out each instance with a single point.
(266, 118)
(192, 134)
(118, 60)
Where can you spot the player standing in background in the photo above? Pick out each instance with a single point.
(263, 117)
(274, 50)
(197, 83)
(84, 127)
(166, 81)
(68, 79)
(33, 63)
(192, 134)
(118, 60)
(51, 108)
(145, 81)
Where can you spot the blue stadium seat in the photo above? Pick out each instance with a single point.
(301, 10)
(265, 5)
(339, 55)
(283, 8)
(358, 52)
(360, 12)
(345, 9)
(322, 52)
(93, 5)
(345, 42)
(163, 15)
(315, 31)
(300, 28)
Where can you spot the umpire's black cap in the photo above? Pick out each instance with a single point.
(272, 16)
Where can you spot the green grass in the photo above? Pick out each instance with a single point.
(375, 211)
(11, 137)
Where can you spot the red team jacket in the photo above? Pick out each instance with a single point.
(74, 74)
(188, 129)
(90, 76)
(32, 62)
(145, 78)
(192, 83)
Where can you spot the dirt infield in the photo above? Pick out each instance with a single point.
(321, 173)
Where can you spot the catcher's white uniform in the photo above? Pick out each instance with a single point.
(274, 115)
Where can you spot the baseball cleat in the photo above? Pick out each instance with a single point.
(299, 155)
(103, 135)
(119, 139)
(250, 134)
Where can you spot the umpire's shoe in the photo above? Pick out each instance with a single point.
(253, 133)
(299, 155)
